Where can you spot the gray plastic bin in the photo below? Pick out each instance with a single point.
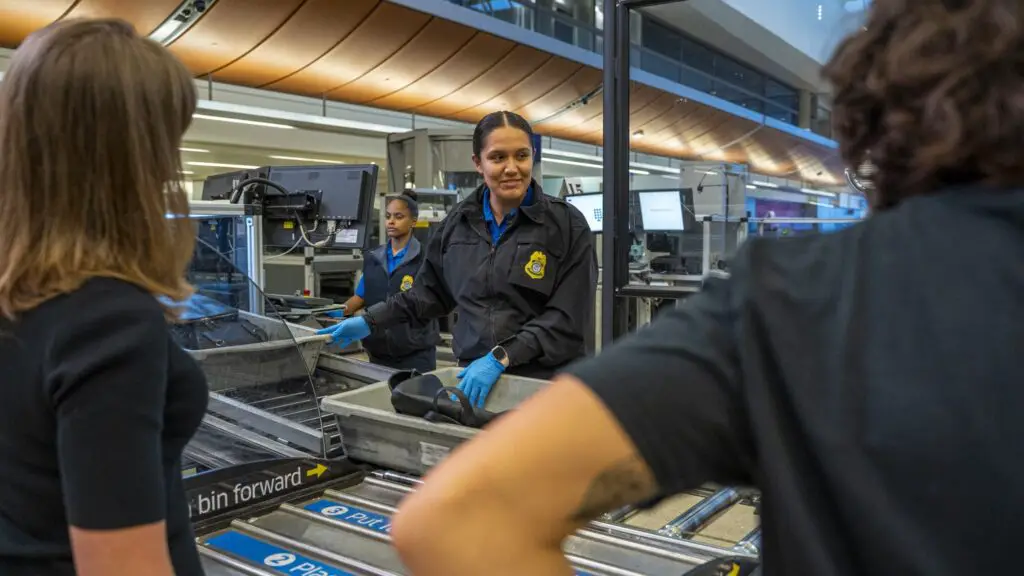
(291, 352)
(373, 432)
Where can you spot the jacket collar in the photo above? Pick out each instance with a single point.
(473, 206)
(412, 250)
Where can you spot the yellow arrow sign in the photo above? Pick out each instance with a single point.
(318, 471)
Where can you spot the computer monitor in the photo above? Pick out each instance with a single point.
(328, 206)
(662, 211)
(592, 207)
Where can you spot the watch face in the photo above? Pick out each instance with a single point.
(499, 354)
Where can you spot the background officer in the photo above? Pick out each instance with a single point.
(388, 270)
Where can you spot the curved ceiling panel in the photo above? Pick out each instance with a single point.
(438, 41)
(521, 62)
(313, 30)
(584, 82)
(382, 33)
(229, 30)
(19, 18)
(550, 75)
(146, 15)
(475, 58)
(378, 53)
(590, 129)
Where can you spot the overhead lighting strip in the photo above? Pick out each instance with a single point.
(243, 121)
(600, 161)
(222, 165)
(293, 119)
(301, 159)
(589, 165)
(187, 14)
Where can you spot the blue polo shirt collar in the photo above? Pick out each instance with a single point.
(493, 227)
(395, 259)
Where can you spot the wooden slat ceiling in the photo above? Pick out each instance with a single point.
(380, 54)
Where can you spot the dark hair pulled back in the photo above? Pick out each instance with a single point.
(410, 198)
(931, 92)
(495, 120)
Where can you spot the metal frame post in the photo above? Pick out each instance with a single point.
(615, 249)
(254, 247)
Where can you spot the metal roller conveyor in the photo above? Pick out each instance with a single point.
(385, 485)
(751, 543)
(340, 526)
(691, 521)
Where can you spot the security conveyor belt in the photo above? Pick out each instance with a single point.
(341, 527)
(344, 530)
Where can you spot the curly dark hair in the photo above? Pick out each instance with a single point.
(931, 92)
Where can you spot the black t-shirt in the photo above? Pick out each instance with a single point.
(868, 381)
(96, 405)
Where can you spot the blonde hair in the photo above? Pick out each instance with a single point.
(91, 118)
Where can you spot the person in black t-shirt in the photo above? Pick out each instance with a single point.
(873, 395)
(96, 400)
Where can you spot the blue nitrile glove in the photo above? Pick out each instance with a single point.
(339, 313)
(479, 377)
(347, 331)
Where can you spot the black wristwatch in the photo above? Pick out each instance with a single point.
(500, 355)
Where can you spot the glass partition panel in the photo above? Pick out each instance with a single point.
(264, 393)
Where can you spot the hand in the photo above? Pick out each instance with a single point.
(479, 377)
(347, 331)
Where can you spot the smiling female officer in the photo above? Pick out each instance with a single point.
(390, 270)
(518, 266)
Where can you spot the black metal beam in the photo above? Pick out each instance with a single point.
(615, 238)
(616, 170)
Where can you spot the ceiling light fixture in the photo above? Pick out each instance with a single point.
(296, 118)
(599, 160)
(764, 184)
(187, 14)
(301, 159)
(241, 121)
(638, 134)
(196, 150)
(222, 165)
(814, 192)
(588, 165)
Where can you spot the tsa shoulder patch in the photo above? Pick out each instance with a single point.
(406, 284)
(536, 265)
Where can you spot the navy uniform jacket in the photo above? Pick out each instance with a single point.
(399, 341)
(532, 291)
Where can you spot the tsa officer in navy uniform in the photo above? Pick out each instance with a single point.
(517, 266)
(389, 270)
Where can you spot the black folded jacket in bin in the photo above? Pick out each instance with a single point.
(425, 396)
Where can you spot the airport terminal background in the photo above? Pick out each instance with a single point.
(729, 139)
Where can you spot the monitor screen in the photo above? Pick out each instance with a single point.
(662, 211)
(592, 207)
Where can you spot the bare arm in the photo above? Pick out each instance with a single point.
(503, 503)
(353, 305)
(660, 412)
(122, 552)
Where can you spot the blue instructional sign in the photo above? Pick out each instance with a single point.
(351, 515)
(270, 556)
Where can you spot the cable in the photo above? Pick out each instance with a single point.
(236, 195)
